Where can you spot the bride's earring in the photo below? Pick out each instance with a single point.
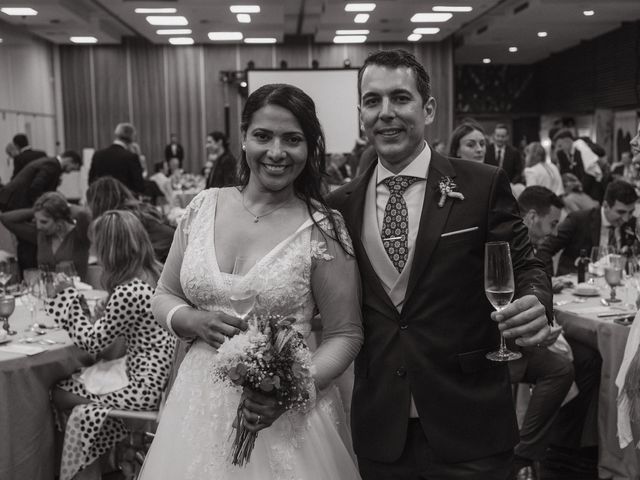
(244, 147)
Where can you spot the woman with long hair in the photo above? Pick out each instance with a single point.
(300, 261)
(107, 193)
(540, 171)
(134, 382)
(59, 231)
(468, 142)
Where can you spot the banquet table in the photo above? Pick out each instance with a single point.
(579, 319)
(28, 442)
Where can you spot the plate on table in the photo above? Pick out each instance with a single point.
(16, 290)
(586, 290)
(586, 293)
(4, 338)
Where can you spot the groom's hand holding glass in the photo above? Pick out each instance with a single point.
(525, 321)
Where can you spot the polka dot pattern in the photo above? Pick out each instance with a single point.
(89, 432)
(395, 226)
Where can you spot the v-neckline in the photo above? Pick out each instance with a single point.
(270, 253)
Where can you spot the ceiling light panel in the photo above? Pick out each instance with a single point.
(442, 8)
(352, 32)
(359, 7)
(174, 31)
(243, 18)
(361, 18)
(19, 11)
(414, 37)
(225, 36)
(167, 20)
(245, 8)
(431, 17)
(349, 39)
(156, 10)
(426, 30)
(83, 40)
(260, 40)
(181, 41)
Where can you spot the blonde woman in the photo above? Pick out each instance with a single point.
(138, 379)
(540, 171)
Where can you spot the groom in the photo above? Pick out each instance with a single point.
(426, 401)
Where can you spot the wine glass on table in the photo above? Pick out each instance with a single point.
(243, 293)
(5, 275)
(499, 287)
(613, 269)
(68, 269)
(7, 306)
(598, 257)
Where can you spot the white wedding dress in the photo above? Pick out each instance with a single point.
(195, 434)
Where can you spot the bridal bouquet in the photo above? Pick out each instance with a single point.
(270, 357)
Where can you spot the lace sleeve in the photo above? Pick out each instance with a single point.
(335, 282)
(169, 293)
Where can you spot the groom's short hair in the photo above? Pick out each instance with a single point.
(395, 59)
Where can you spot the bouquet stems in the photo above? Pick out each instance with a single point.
(243, 443)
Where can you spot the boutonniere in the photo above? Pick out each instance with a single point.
(447, 187)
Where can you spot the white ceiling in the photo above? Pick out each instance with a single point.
(485, 32)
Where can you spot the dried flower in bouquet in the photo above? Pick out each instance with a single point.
(271, 357)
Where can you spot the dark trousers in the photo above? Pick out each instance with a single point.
(552, 375)
(418, 462)
(576, 424)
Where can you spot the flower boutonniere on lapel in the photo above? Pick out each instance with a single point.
(447, 190)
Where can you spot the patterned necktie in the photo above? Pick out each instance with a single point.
(395, 226)
(612, 237)
(500, 157)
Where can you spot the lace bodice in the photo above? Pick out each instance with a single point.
(282, 276)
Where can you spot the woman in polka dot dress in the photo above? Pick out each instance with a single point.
(130, 275)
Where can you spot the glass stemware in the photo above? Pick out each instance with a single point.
(243, 294)
(69, 269)
(613, 269)
(499, 288)
(598, 257)
(5, 276)
(7, 306)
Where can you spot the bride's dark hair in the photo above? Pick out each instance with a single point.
(309, 185)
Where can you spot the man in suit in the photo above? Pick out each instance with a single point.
(26, 155)
(117, 161)
(174, 149)
(612, 224)
(426, 401)
(39, 176)
(501, 154)
(224, 171)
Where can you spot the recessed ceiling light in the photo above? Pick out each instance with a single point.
(349, 39)
(513, 49)
(243, 84)
(414, 37)
(243, 18)
(486, 60)
(181, 41)
(83, 39)
(451, 9)
(352, 32)
(359, 7)
(426, 30)
(167, 20)
(245, 8)
(588, 13)
(542, 34)
(361, 18)
(260, 40)
(19, 12)
(222, 36)
(431, 17)
(155, 10)
(174, 31)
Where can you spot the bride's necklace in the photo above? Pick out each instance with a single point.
(256, 218)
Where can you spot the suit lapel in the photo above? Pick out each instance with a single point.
(432, 219)
(596, 224)
(353, 212)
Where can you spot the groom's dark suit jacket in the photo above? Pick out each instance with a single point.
(435, 349)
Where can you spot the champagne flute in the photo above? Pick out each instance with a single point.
(69, 269)
(499, 287)
(243, 294)
(613, 274)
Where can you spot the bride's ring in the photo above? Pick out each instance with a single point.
(258, 420)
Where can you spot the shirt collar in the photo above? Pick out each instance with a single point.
(121, 143)
(417, 168)
(24, 149)
(59, 158)
(605, 222)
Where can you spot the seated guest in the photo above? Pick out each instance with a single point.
(136, 381)
(541, 172)
(57, 229)
(162, 180)
(107, 193)
(550, 371)
(574, 198)
(611, 225)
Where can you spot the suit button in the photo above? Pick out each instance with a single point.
(401, 372)
(403, 326)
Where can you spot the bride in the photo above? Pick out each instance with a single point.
(302, 263)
